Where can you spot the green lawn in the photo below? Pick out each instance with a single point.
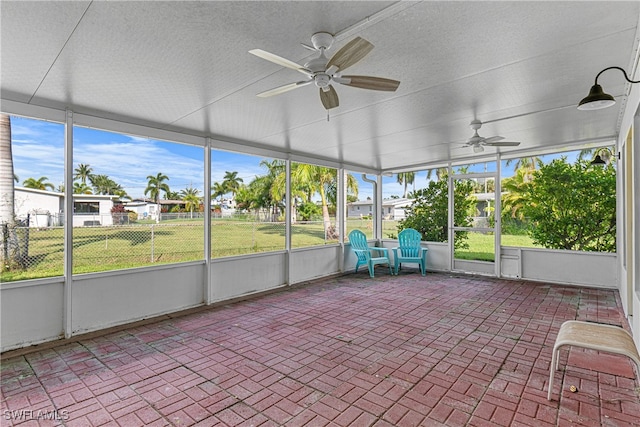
(118, 247)
(481, 246)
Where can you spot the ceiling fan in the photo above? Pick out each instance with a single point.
(323, 71)
(478, 142)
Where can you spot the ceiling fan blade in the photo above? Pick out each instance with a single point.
(306, 46)
(494, 139)
(368, 82)
(350, 53)
(329, 98)
(502, 144)
(282, 89)
(280, 61)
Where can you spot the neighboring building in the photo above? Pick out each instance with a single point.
(148, 209)
(46, 208)
(43, 208)
(391, 208)
(142, 207)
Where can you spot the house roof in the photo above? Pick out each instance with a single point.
(80, 197)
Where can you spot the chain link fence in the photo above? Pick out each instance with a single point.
(37, 252)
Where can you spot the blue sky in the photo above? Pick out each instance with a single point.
(38, 150)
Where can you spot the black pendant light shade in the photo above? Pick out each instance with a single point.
(597, 98)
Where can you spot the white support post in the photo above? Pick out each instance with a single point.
(497, 228)
(288, 202)
(377, 226)
(450, 220)
(68, 225)
(208, 288)
(341, 218)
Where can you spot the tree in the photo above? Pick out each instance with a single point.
(429, 212)
(313, 179)
(7, 204)
(306, 181)
(172, 195)
(10, 252)
(440, 173)
(217, 190)
(527, 164)
(257, 195)
(102, 184)
(405, 178)
(573, 207)
(262, 188)
(81, 188)
(38, 184)
(191, 199)
(82, 172)
(514, 198)
(155, 186)
(231, 182)
(605, 153)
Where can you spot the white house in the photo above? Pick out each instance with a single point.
(43, 208)
(391, 208)
(46, 208)
(142, 207)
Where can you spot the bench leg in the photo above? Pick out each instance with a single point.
(555, 360)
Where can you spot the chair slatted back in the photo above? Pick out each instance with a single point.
(359, 244)
(409, 242)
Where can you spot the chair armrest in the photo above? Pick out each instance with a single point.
(383, 250)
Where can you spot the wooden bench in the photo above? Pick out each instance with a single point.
(595, 336)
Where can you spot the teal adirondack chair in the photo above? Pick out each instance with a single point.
(368, 255)
(409, 250)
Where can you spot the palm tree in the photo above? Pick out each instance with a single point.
(38, 184)
(154, 187)
(405, 178)
(529, 164)
(440, 173)
(81, 188)
(306, 180)
(172, 195)
(231, 182)
(7, 175)
(265, 184)
(102, 184)
(514, 199)
(190, 198)
(83, 172)
(217, 190)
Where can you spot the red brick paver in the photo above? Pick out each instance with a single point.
(440, 350)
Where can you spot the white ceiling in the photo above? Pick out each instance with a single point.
(520, 67)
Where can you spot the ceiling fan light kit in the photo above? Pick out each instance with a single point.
(323, 72)
(597, 98)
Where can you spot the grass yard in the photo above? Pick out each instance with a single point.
(127, 246)
(481, 246)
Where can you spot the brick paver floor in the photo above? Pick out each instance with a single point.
(440, 350)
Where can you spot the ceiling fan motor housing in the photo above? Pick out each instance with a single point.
(322, 40)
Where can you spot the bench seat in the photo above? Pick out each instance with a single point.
(595, 336)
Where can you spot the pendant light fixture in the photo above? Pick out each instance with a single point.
(597, 98)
